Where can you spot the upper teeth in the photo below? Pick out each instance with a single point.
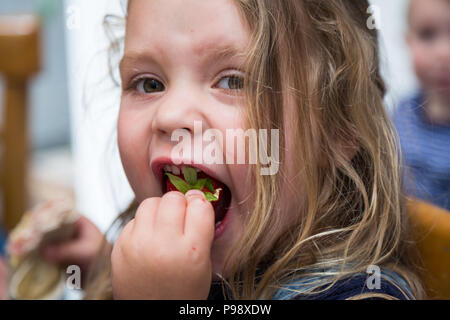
(177, 170)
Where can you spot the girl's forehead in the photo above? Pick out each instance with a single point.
(197, 23)
(429, 11)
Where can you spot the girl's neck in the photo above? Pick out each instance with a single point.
(437, 109)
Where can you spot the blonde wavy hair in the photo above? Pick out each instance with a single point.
(322, 55)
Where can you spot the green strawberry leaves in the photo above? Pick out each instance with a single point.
(209, 185)
(210, 197)
(179, 183)
(192, 183)
(190, 175)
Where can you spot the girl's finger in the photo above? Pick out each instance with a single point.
(126, 232)
(199, 225)
(170, 216)
(145, 217)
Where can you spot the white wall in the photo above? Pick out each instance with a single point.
(94, 101)
(90, 88)
(396, 66)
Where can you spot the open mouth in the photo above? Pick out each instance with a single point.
(222, 194)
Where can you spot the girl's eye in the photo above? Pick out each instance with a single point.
(149, 85)
(231, 83)
(427, 34)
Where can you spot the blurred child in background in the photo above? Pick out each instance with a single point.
(423, 121)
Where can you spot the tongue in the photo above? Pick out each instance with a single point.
(216, 184)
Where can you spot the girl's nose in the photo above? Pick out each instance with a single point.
(179, 111)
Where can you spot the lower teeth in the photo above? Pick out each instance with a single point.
(218, 223)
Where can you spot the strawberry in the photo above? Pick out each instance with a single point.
(191, 181)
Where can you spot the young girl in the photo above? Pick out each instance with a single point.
(329, 224)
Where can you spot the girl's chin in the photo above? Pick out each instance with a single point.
(219, 255)
(222, 246)
(218, 264)
(216, 276)
(217, 267)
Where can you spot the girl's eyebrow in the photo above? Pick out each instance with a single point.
(216, 52)
(210, 55)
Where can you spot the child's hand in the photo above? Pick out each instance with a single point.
(164, 253)
(3, 280)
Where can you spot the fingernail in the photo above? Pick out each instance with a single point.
(194, 193)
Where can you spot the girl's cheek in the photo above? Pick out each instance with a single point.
(421, 61)
(133, 150)
(124, 137)
(240, 173)
(133, 132)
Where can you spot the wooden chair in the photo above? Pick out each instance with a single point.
(432, 233)
(19, 61)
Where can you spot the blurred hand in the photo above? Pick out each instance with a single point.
(165, 252)
(3, 280)
(79, 250)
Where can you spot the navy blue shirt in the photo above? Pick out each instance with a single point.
(348, 288)
(426, 152)
(341, 290)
